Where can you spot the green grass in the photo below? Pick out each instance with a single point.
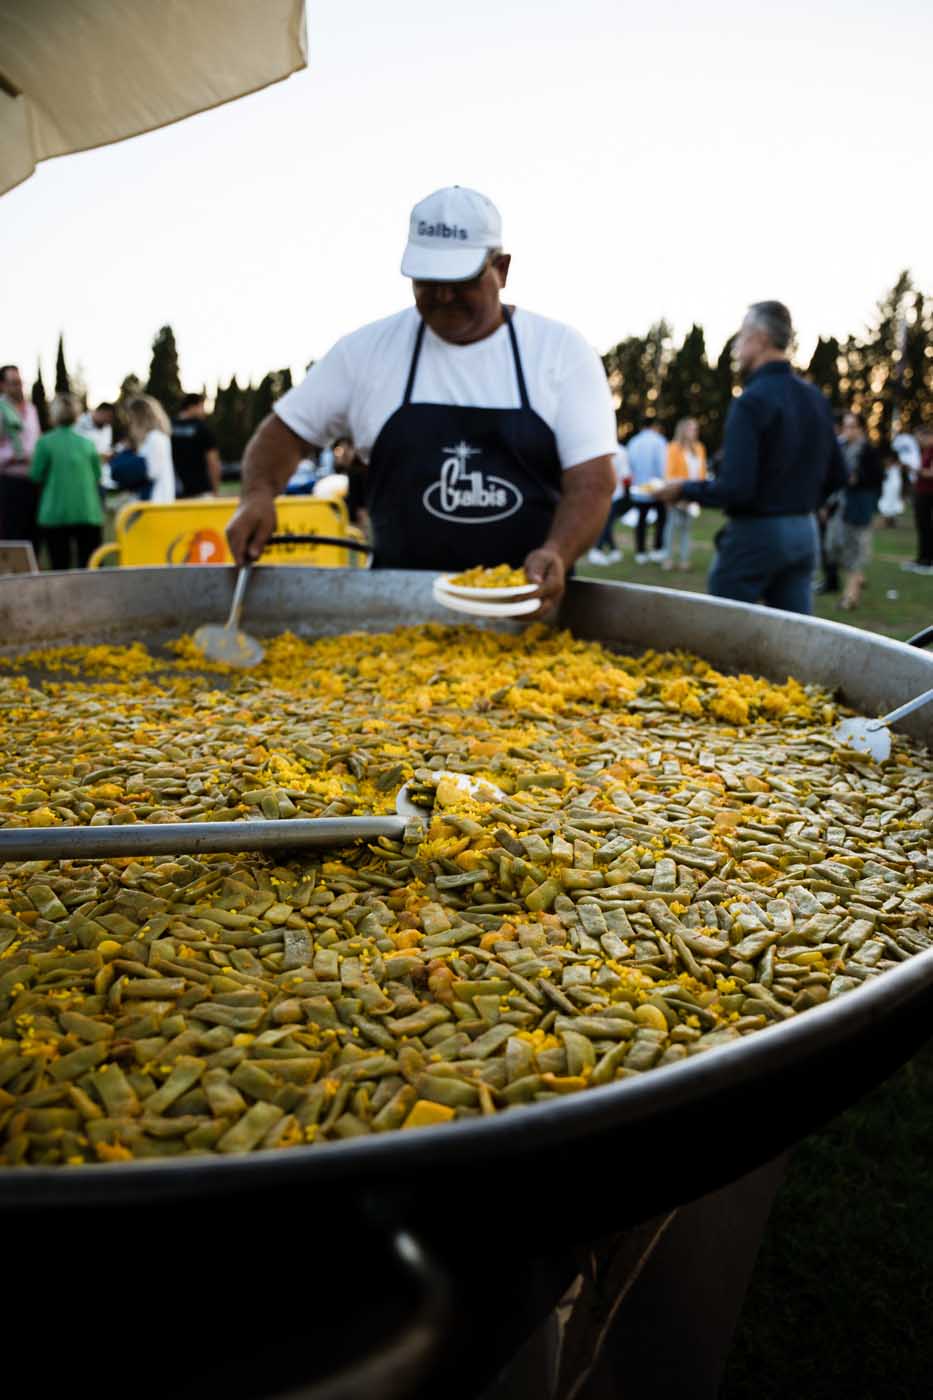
(841, 1302)
(841, 1299)
(899, 617)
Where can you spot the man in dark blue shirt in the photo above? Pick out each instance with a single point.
(780, 461)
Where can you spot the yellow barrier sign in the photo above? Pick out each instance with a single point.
(192, 532)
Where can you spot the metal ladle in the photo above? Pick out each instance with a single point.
(197, 838)
(870, 736)
(228, 644)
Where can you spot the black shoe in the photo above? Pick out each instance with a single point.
(826, 586)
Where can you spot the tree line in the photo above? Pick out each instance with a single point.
(238, 408)
(884, 373)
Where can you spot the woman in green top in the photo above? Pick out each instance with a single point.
(67, 469)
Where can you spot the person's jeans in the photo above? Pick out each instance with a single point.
(617, 508)
(641, 526)
(677, 534)
(766, 559)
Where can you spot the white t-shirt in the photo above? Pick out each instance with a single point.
(102, 438)
(693, 464)
(156, 447)
(360, 383)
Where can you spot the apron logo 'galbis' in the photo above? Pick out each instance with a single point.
(469, 497)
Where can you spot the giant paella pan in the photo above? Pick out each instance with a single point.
(824, 987)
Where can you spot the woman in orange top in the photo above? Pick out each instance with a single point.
(686, 461)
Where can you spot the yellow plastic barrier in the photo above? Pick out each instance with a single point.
(192, 532)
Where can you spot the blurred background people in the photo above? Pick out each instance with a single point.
(686, 461)
(923, 504)
(195, 456)
(150, 435)
(96, 424)
(605, 550)
(66, 469)
(346, 461)
(891, 500)
(849, 532)
(19, 433)
(647, 455)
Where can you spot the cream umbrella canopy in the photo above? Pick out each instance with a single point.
(81, 73)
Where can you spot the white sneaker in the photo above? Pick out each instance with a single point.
(614, 556)
(641, 558)
(657, 556)
(596, 556)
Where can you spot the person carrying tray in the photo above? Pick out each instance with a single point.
(488, 431)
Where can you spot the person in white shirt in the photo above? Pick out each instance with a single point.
(150, 433)
(488, 431)
(97, 426)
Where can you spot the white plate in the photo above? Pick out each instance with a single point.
(462, 590)
(477, 608)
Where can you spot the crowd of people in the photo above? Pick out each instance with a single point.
(472, 432)
(872, 485)
(54, 485)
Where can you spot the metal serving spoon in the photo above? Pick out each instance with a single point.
(870, 736)
(197, 838)
(228, 643)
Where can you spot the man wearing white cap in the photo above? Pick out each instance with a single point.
(488, 431)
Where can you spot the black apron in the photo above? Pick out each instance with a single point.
(451, 487)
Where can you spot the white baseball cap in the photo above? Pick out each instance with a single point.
(450, 235)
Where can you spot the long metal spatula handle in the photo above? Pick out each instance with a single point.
(908, 709)
(236, 607)
(189, 838)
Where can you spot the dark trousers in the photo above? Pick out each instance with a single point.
(641, 526)
(19, 501)
(766, 559)
(923, 516)
(59, 539)
(617, 508)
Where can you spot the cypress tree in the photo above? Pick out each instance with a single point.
(39, 399)
(62, 378)
(721, 394)
(688, 387)
(823, 370)
(635, 369)
(163, 382)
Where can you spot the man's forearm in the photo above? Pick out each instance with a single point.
(586, 495)
(270, 459)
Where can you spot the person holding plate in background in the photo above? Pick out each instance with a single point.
(780, 462)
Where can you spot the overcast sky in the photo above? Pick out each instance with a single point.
(674, 160)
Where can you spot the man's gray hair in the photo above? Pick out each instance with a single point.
(64, 410)
(773, 318)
